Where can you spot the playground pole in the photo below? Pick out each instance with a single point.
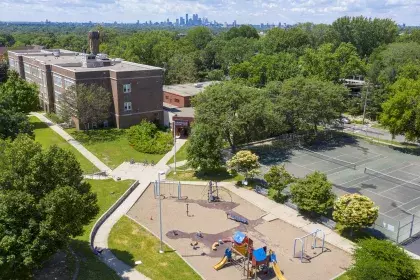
(160, 214)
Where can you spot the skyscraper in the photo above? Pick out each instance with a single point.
(186, 19)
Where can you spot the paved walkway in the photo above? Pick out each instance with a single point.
(145, 175)
(91, 157)
(377, 133)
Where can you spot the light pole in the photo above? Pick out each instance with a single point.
(160, 212)
(364, 107)
(174, 146)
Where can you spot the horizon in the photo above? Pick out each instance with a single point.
(252, 12)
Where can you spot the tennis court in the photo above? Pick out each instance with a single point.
(389, 177)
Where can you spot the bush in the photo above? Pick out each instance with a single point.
(278, 179)
(313, 193)
(54, 117)
(381, 260)
(355, 211)
(147, 138)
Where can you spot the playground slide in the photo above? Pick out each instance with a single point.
(220, 264)
(277, 271)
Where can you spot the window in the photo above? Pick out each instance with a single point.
(44, 79)
(34, 71)
(57, 96)
(127, 88)
(57, 81)
(68, 83)
(11, 62)
(127, 106)
(176, 100)
(27, 68)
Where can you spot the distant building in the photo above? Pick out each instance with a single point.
(178, 113)
(136, 88)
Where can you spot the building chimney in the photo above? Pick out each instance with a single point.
(94, 42)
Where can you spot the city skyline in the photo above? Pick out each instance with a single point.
(244, 12)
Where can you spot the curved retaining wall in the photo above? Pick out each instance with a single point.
(108, 213)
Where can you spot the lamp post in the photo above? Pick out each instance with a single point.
(174, 146)
(160, 211)
(364, 106)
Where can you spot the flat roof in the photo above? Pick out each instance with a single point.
(73, 61)
(188, 89)
(186, 112)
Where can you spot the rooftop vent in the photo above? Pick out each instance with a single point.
(198, 85)
(102, 56)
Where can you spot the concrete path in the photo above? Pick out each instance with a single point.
(91, 157)
(377, 133)
(136, 171)
(145, 175)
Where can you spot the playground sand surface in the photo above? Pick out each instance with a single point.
(210, 219)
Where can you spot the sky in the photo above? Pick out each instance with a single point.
(244, 11)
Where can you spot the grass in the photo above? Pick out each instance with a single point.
(47, 137)
(181, 154)
(385, 141)
(215, 175)
(107, 191)
(346, 277)
(111, 146)
(130, 242)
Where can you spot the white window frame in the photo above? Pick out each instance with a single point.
(11, 62)
(128, 106)
(68, 83)
(60, 85)
(44, 79)
(27, 68)
(127, 88)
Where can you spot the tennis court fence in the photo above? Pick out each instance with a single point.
(399, 231)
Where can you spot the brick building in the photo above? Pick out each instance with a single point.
(180, 95)
(136, 88)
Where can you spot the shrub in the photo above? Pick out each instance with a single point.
(355, 211)
(146, 138)
(54, 117)
(313, 193)
(278, 178)
(244, 162)
(381, 260)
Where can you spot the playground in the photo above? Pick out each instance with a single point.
(223, 236)
(388, 176)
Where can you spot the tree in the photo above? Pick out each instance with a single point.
(88, 103)
(365, 34)
(313, 193)
(199, 36)
(182, 68)
(261, 69)
(204, 150)
(244, 162)
(146, 138)
(355, 211)
(401, 113)
(237, 113)
(43, 202)
(236, 51)
(278, 179)
(307, 102)
(330, 64)
(246, 31)
(13, 123)
(293, 40)
(21, 96)
(381, 260)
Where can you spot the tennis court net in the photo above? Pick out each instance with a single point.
(330, 159)
(392, 179)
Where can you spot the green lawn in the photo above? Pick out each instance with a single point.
(108, 191)
(181, 154)
(130, 242)
(215, 175)
(111, 146)
(47, 137)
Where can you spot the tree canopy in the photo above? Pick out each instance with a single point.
(43, 202)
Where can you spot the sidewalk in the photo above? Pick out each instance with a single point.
(91, 157)
(286, 214)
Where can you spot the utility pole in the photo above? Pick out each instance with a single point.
(365, 105)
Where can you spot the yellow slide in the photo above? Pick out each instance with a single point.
(277, 271)
(220, 264)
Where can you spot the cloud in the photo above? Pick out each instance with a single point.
(244, 11)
